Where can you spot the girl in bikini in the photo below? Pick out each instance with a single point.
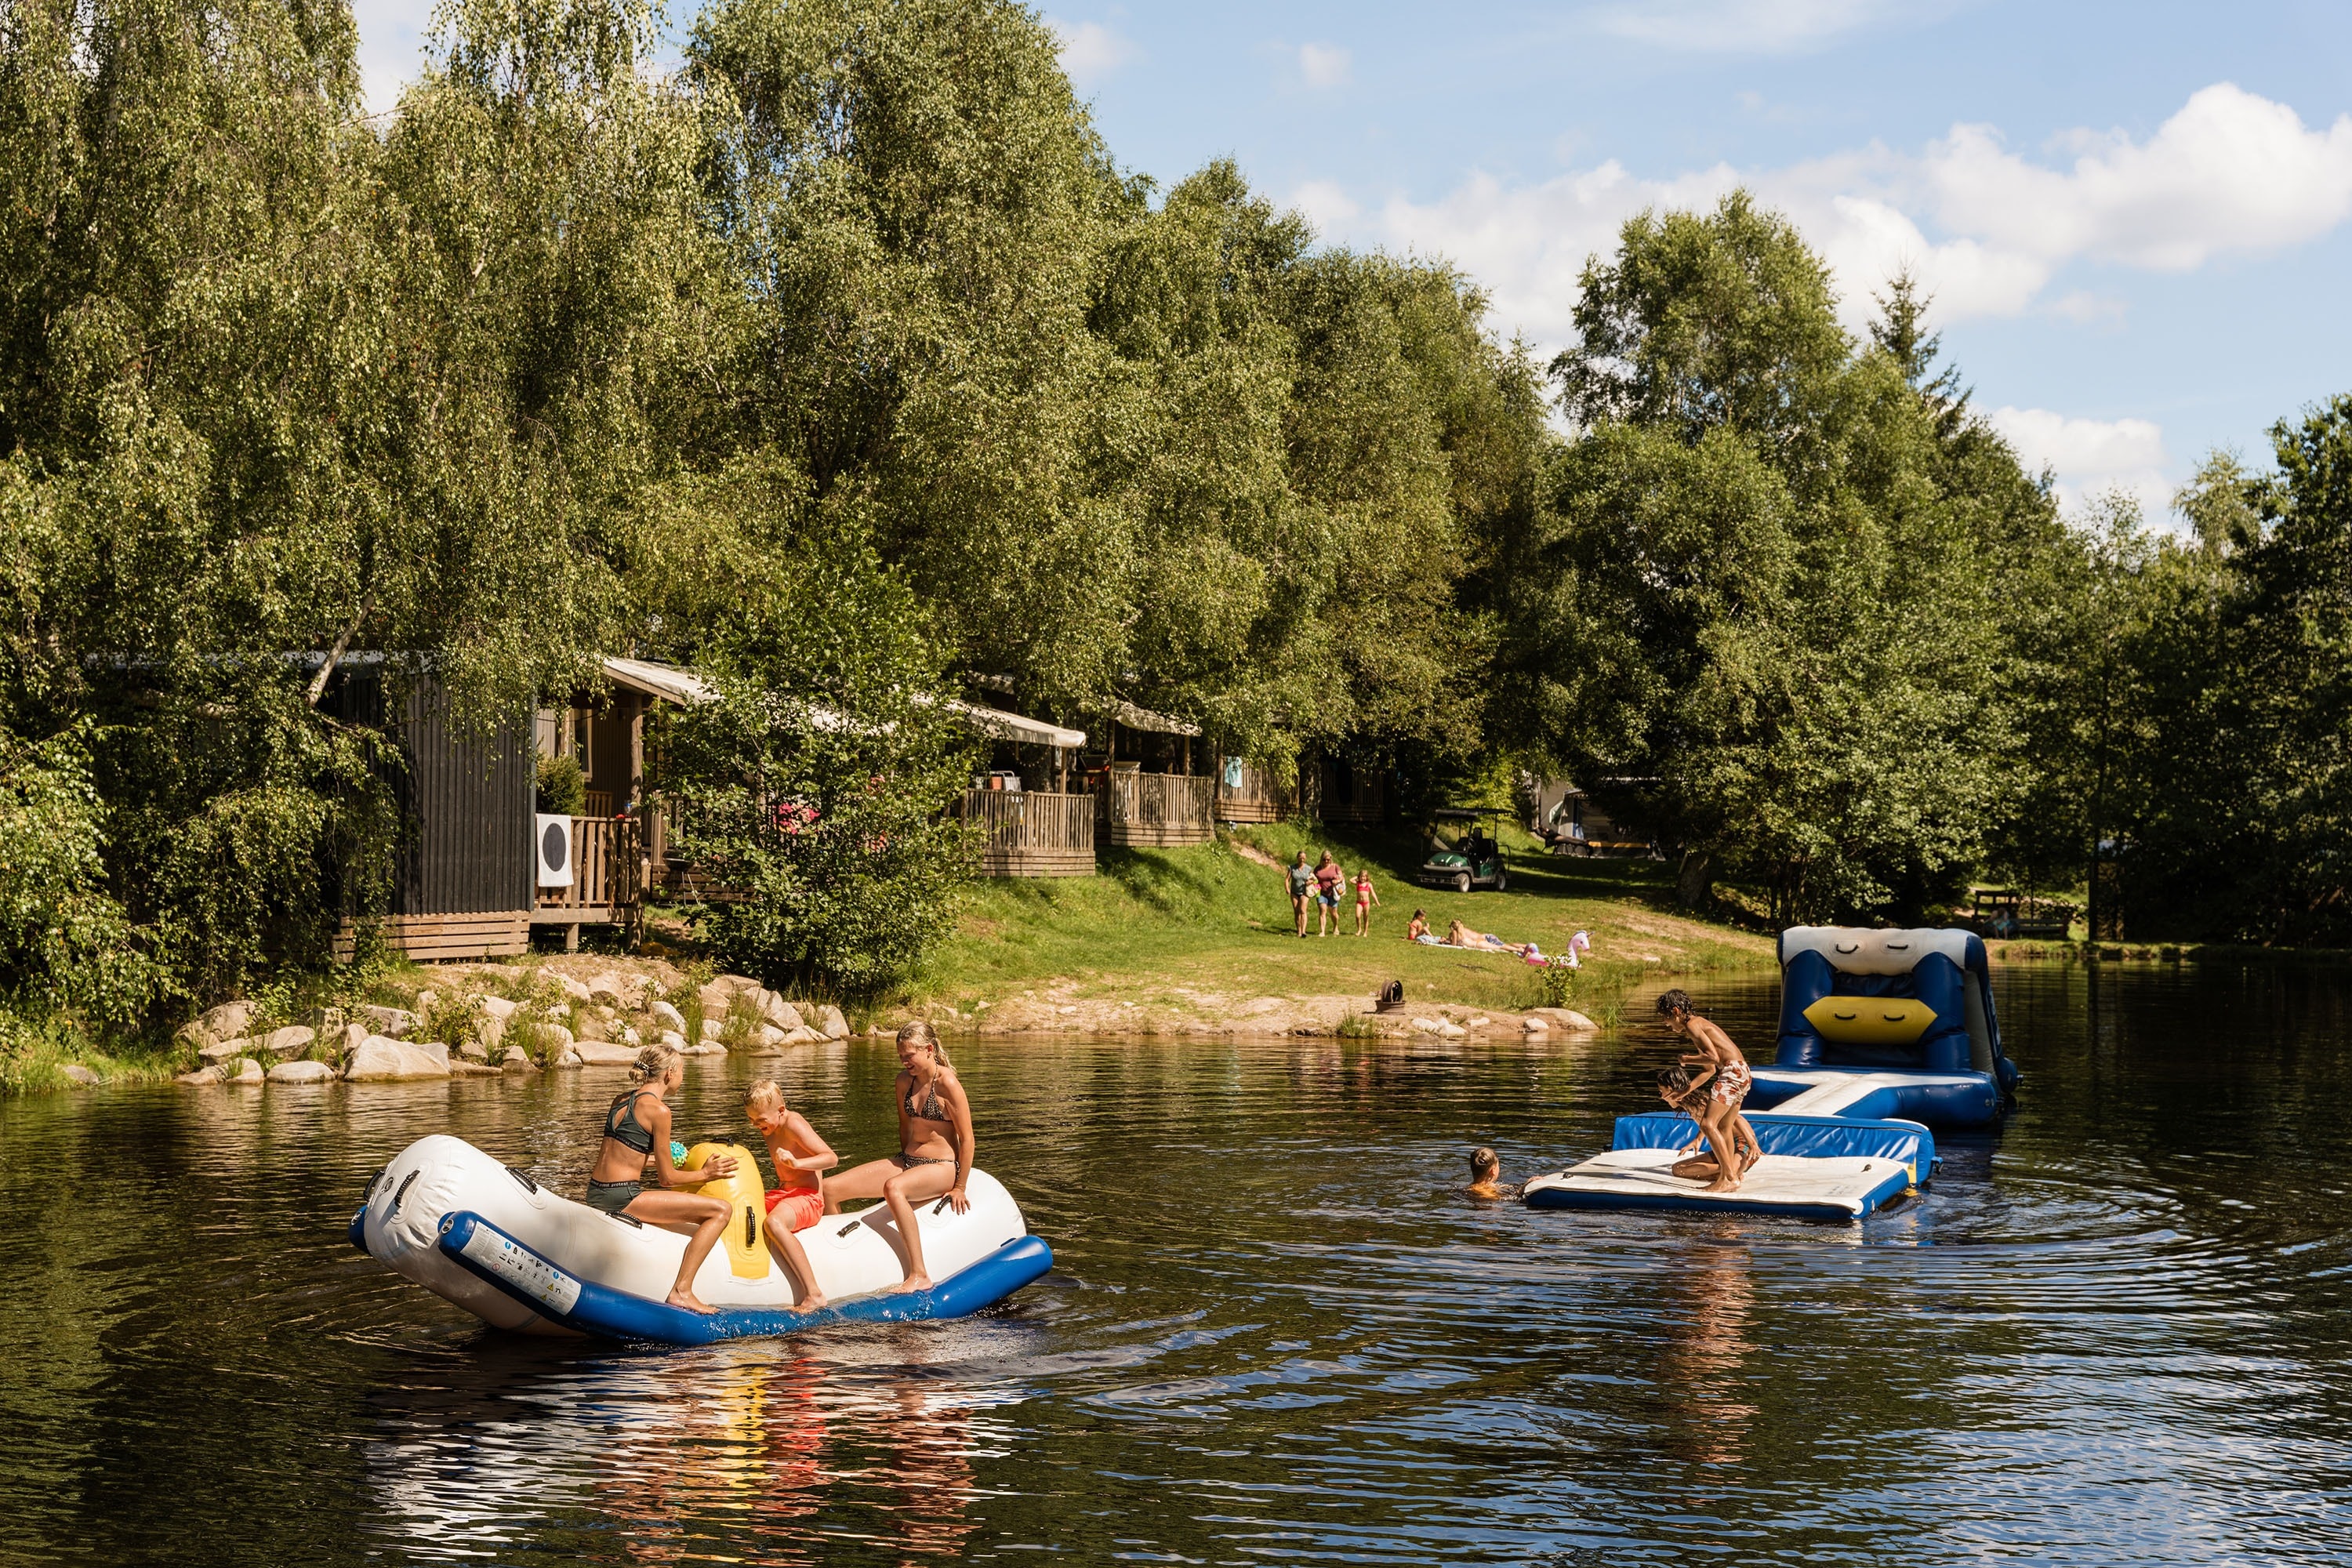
(935, 1145)
(637, 1127)
(1365, 900)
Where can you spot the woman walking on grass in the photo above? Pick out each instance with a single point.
(1302, 885)
(1329, 878)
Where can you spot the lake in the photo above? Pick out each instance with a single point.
(2116, 1333)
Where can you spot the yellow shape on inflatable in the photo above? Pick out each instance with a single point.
(1870, 1020)
(747, 1248)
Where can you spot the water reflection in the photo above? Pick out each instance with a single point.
(1708, 1295)
(2113, 1336)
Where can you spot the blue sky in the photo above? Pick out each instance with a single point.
(2137, 219)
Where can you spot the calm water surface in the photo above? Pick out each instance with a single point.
(2115, 1335)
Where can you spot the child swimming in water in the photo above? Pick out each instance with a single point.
(1486, 1175)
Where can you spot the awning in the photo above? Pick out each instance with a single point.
(671, 684)
(1004, 726)
(1135, 718)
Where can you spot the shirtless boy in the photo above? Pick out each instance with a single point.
(1718, 1086)
(799, 1155)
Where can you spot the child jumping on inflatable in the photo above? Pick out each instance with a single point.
(1718, 1082)
(799, 1155)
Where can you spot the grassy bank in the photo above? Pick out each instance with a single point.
(1200, 931)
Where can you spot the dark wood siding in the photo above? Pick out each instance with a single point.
(465, 803)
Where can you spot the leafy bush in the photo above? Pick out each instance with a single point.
(67, 945)
(562, 787)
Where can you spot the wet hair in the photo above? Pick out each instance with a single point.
(1672, 1001)
(1675, 1080)
(651, 1063)
(921, 1033)
(763, 1094)
(1485, 1162)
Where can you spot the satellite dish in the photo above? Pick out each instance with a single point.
(553, 833)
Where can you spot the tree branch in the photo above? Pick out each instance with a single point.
(335, 655)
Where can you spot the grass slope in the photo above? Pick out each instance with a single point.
(1166, 929)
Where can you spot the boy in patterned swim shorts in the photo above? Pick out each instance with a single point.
(1719, 1084)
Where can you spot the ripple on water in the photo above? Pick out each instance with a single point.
(2111, 1335)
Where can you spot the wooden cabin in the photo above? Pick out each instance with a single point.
(1152, 788)
(1036, 827)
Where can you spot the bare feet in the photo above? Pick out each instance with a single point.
(682, 1297)
(912, 1283)
(813, 1302)
(1722, 1184)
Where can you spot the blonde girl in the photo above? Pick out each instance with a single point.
(800, 1157)
(935, 1147)
(637, 1128)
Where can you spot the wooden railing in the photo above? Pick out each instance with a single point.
(604, 859)
(1254, 799)
(1157, 809)
(596, 802)
(1032, 832)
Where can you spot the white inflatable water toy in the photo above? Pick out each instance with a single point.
(489, 1238)
(1814, 1167)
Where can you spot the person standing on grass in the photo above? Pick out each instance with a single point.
(1302, 888)
(1328, 879)
(1365, 900)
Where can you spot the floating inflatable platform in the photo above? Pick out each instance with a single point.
(1814, 1167)
(489, 1238)
(1883, 1034)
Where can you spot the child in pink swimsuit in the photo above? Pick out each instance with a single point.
(1365, 900)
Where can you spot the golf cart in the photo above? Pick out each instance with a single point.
(1463, 853)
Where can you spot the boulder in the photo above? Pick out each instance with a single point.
(462, 1069)
(573, 989)
(497, 1008)
(514, 1060)
(803, 1035)
(734, 983)
(776, 1010)
(709, 1048)
(79, 1076)
(201, 1076)
(349, 1039)
(291, 1041)
(382, 1060)
(669, 1014)
(473, 1050)
(426, 1001)
(1564, 1018)
(562, 1036)
(630, 1037)
(227, 1020)
(1534, 1025)
(227, 1050)
(1451, 1030)
(395, 1023)
(244, 1071)
(301, 1072)
(569, 1059)
(767, 1040)
(1427, 1025)
(326, 1020)
(605, 1054)
(830, 1024)
(491, 1031)
(674, 1040)
(710, 1028)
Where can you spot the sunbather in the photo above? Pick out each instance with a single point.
(1460, 935)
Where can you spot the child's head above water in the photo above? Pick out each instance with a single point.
(1485, 1164)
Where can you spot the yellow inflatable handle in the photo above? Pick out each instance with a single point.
(746, 1245)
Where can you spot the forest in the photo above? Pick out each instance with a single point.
(837, 356)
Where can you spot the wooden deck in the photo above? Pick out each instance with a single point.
(1032, 832)
(1255, 798)
(1155, 811)
(446, 939)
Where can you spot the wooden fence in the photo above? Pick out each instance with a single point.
(604, 888)
(1032, 832)
(1156, 810)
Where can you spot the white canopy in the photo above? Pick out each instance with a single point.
(671, 684)
(1135, 718)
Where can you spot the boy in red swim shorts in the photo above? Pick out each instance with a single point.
(799, 1155)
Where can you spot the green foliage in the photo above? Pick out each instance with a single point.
(1766, 610)
(562, 787)
(66, 945)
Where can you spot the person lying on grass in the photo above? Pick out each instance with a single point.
(798, 1201)
(1460, 935)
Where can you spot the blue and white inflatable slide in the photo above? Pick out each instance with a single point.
(1884, 1036)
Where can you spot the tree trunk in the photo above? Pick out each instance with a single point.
(1691, 879)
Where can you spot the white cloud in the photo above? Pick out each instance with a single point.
(1985, 230)
(1747, 27)
(1090, 51)
(1324, 65)
(391, 47)
(2092, 456)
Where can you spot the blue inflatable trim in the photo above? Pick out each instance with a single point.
(358, 1233)
(1805, 1137)
(1937, 1099)
(607, 1313)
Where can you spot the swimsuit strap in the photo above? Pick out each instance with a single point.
(621, 1126)
(932, 1110)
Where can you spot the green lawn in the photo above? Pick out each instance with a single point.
(1158, 927)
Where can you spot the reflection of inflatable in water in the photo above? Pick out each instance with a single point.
(1883, 1034)
(515, 1255)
